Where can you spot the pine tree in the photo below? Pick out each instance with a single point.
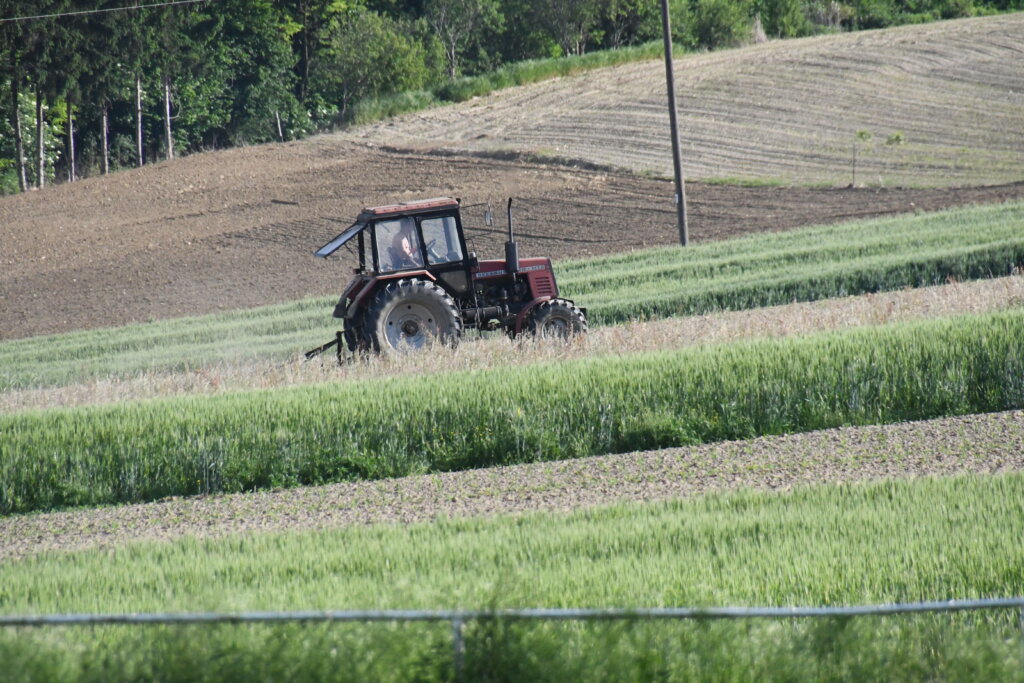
(101, 78)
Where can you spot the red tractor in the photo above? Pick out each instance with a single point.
(416, 283)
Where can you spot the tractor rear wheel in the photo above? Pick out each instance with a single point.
(557, 319)
(407, 315)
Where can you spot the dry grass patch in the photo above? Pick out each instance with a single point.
(775, 321)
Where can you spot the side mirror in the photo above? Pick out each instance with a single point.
(488, 218)
(473, 261)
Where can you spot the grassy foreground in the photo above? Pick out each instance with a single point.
(797, 265)
(895, 541)
(375, 429)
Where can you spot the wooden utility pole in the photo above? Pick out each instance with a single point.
(684, 231)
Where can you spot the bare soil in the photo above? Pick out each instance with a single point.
(236, 229)
(992, 443)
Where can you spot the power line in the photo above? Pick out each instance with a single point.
(102, 11)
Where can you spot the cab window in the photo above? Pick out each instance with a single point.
(398, 245)
(441, 239)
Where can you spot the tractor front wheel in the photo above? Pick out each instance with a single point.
(557, 319)
(407, 315)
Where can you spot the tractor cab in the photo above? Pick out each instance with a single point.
(422, 238)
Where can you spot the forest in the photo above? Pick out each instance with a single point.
(88, 87)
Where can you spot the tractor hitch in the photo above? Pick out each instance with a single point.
(338, 341)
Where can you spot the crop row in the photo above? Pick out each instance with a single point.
(895, 541)
(801, 265)
(405, 425)
(798, 265)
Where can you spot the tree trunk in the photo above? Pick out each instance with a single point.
(167, 117)
(105, 124)
(305, 59)
(138, 121)
(19, 149)
(72, 176)
(453, 59)
(40, 142)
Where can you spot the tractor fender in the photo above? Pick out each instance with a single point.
(521, 317)
(371, 288)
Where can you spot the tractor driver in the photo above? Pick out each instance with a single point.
(405, 246)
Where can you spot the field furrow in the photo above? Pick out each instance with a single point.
(989, 443)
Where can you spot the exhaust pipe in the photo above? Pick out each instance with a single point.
(511, 248)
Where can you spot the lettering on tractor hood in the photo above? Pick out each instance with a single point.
(496, 273)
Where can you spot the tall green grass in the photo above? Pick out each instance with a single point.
(895, 541)
(797, 265)
(373, 429)
(905, 649)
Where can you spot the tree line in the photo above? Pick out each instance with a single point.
(117, 83)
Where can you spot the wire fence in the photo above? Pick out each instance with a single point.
(458, 618)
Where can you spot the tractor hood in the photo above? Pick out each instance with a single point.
(339, 241)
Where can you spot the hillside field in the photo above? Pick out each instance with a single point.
(783, 111)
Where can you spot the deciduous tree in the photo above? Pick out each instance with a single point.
(458, 23)
(367, 54)
(572, 22)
